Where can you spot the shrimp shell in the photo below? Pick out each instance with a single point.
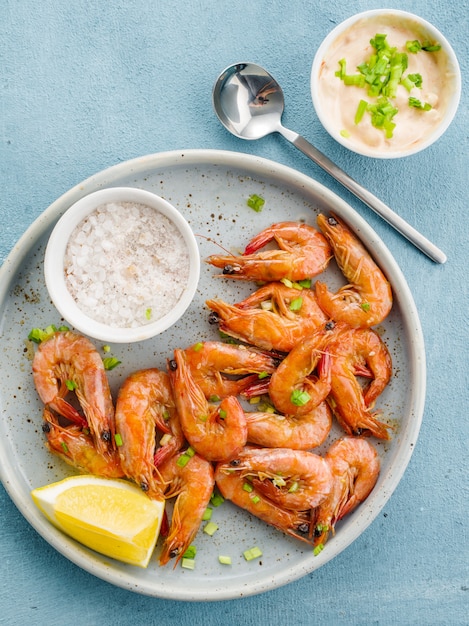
(367, 299)
(302, 252)
(216, 432)
(69, 357)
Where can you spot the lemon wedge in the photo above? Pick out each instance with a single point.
(113, 517)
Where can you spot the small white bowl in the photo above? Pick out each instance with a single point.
(55, 271)
(335, 103)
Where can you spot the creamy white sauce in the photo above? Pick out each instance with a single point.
(339, 102)
(126, 265)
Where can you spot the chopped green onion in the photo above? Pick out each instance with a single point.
(166, 415)
(207, 514)
(165, 439)
(222, 414)
(224, 560)
(36, 335)
(354, 79)
(299, 397)
(210, 528)
(188, 563)
(294, 487)
(267, 305)
(345, 133)
(278, 481)
(252, 553)
(63, 329)
(366, 306)
(342, 69)
(110, 363)
(255, 499)
(296, 304)
(148, 314)
(287, 282)
(106, 348)
(190, 552)
(430, 47)
(413, 46)
(71, 385)
(262, 375)
(214, 398)
(362, 105)
(248, 487)
(255, 202)
(417, 104)
(319, 548)
(305, 283)
(185, 457)
(254, 400)
(64, 446)
(216, 499)
(198, 346)
(118, 440)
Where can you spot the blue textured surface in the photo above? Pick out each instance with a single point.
(87, 84)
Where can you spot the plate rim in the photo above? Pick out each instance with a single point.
(253, 164)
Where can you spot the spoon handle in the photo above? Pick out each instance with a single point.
(404, 228)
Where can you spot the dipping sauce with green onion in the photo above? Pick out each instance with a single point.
(384, 85)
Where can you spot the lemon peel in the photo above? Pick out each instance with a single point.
(111, 516)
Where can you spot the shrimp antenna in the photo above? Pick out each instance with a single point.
(216, 243)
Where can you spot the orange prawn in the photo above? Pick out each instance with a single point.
(355, 468)
(292, 388)
(66, 362)
(222, 369)
(78, 449)
(296, 480)
(216, 432)
(146, 412)
(354, 349)
(297, 432)
(232, 487)
(192, 483)
(302, 252)
(367, 298)
(275, 317)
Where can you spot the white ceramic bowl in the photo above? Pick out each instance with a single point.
(54, 267)
(336, 103)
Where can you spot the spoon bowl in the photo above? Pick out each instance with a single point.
(249, 103)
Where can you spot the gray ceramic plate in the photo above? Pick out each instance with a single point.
(210, 188)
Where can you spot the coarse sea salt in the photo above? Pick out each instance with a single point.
(126, 265)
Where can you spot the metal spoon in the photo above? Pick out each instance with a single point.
(249, 103)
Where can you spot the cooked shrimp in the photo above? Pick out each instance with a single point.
(275, 317)
(68, 361)
(367, 299)
(355, 467)
(193, 485)
(232, 487)
(211, 362)
(298, 432)
(78, 449)
(293, 389)
(145, 416)
(350, 350)
(216, 432)
(295, 479)
(302, 252)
